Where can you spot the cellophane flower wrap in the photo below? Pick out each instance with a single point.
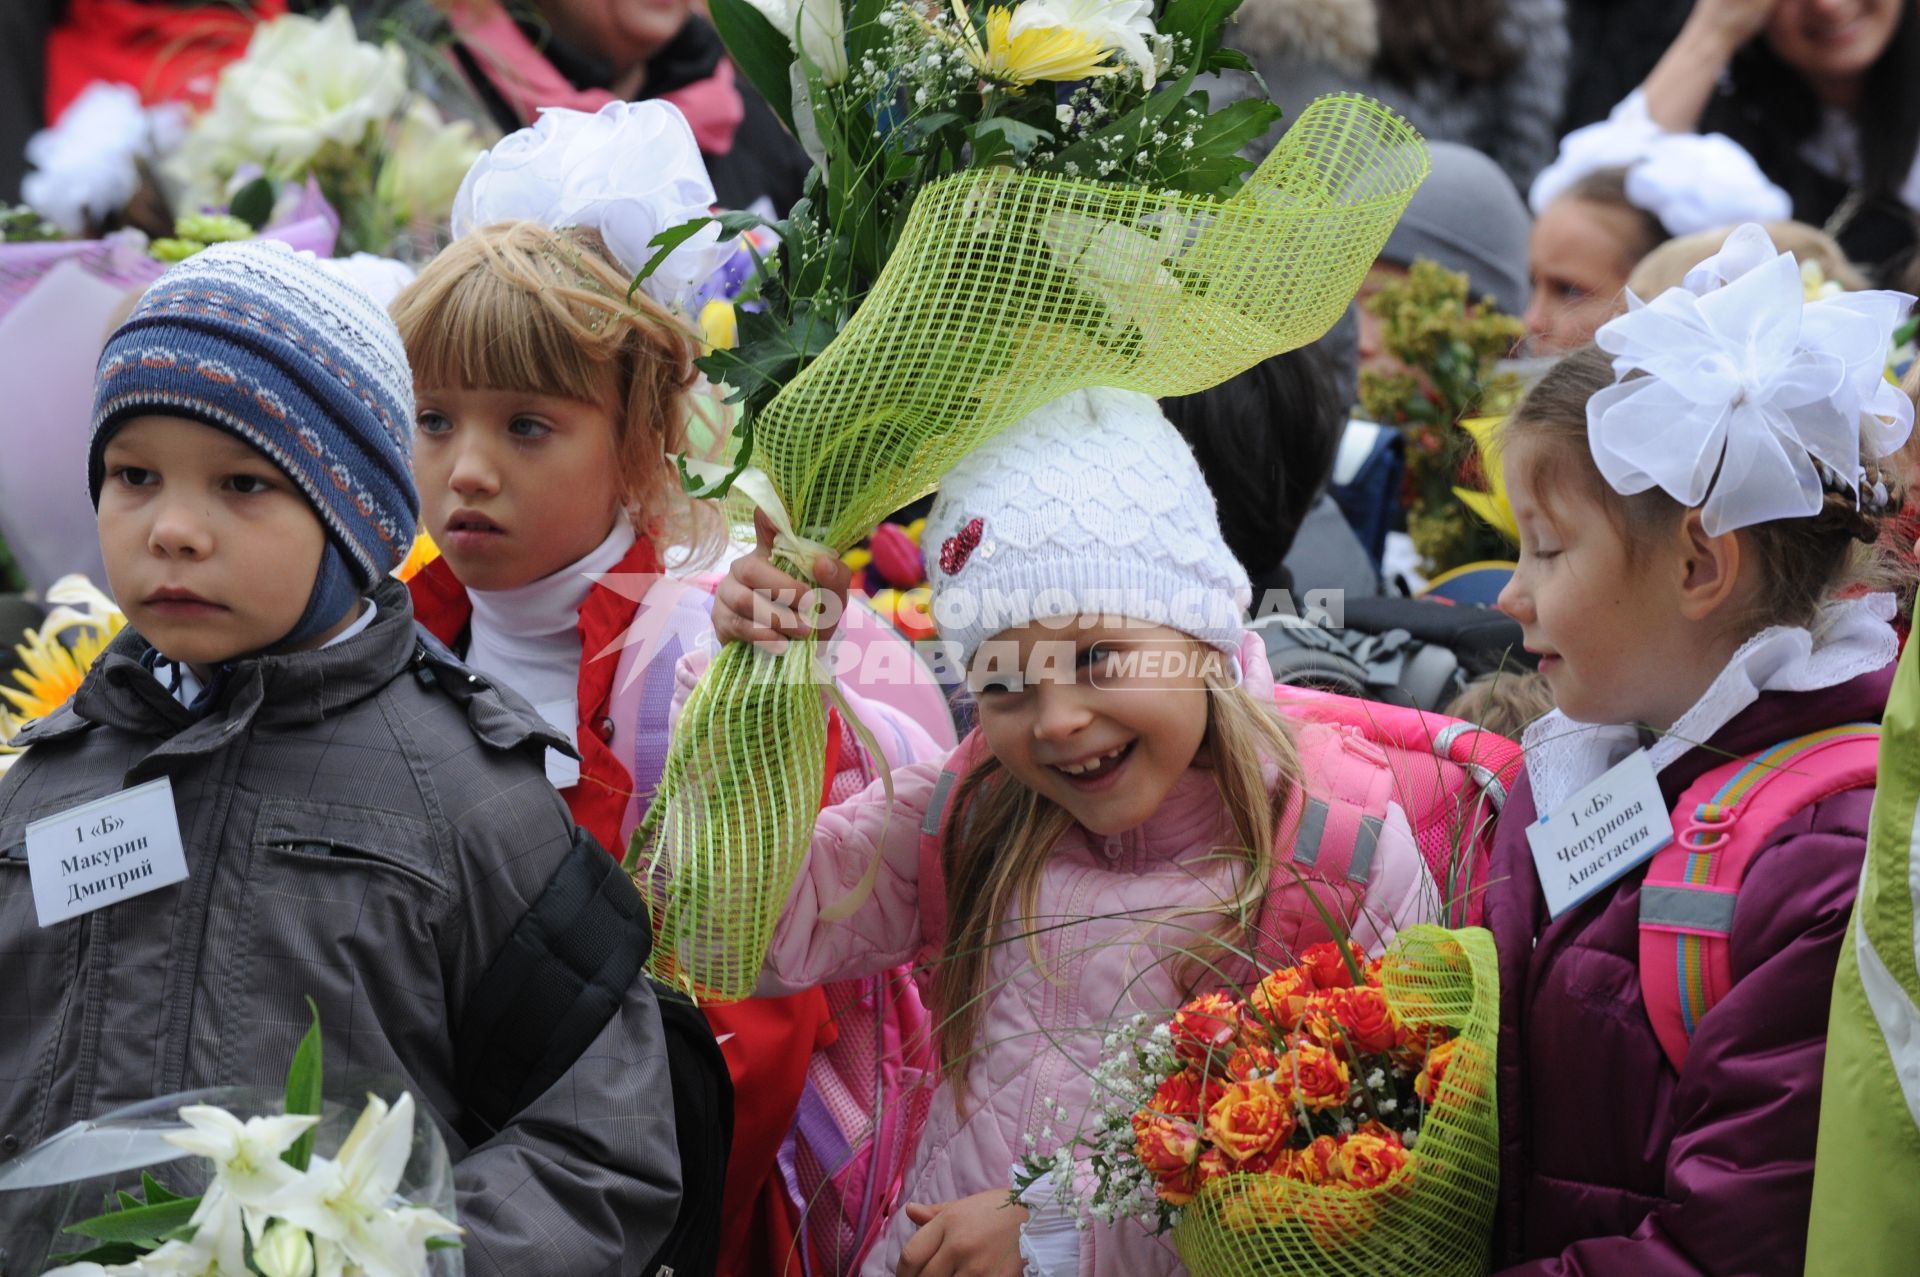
(1337, 1121)
(239, 1180)
(981, 237)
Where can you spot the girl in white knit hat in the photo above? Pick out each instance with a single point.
(1103, 845)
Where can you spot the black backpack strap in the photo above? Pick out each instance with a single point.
(556, 982)
(1302, 653)
(703, 1123)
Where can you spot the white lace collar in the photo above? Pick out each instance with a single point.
(1849, 638)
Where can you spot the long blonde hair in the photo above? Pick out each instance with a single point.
(996, 845)
(518, 306)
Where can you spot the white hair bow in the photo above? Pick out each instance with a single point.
(1749, 389)
(629, 170)
(1689, 181)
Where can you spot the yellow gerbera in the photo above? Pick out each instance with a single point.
(1491, 506)
(1054, 54)
(54, 669)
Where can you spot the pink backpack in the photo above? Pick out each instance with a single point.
(1723, 821)
(845, 1162)
(1449, 777)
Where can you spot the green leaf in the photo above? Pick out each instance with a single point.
(111, 1253)
(1000, 136)
(1201, 21)
(772, 351)
(673, 237)
(253, 203)
(303, 1090)
(763, 54)
(445, 1243)
(1215, 163)
(1135, 125)
(142, 1225)
(155, 1191)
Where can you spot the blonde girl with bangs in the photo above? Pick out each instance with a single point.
(550, 398)
(1105, 844)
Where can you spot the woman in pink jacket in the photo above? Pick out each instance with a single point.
(1114, 823)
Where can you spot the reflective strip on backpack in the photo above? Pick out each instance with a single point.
(1364, 843)
(937, 806)
(1313, 827)
(1690, 909)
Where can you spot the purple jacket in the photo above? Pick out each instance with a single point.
(1611, 1163)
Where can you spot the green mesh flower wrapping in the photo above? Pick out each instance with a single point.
(1006, 291)
(1435, 1217)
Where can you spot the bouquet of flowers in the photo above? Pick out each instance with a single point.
(310, 99)
(1011, 203)
(1449, 345)
(1339, 1119)
(261, 1198)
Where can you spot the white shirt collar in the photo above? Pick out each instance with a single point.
(1849, 638)
(551, 605)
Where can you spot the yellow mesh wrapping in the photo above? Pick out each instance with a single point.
(1435, 1218)
(1005, 292)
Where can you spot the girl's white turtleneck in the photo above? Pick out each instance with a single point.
(529, 637)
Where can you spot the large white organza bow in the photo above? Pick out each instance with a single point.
(1748, 390)
(629, 170)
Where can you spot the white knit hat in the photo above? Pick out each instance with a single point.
(1092, 505)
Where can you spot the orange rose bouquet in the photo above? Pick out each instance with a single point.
(1337, 1119)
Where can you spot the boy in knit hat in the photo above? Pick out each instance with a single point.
(329, 809)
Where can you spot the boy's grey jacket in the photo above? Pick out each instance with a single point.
(353, 836)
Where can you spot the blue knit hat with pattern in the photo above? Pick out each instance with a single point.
(272, 347)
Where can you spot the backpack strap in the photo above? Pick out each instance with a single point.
(933, 883)
(1329, 835)
(1724, 820)
(560, 976)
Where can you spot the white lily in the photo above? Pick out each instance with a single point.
(284, 1251)
(245, 1155)
(347, 1203)
(196, 1258)
(1123, 25)
(816, 27)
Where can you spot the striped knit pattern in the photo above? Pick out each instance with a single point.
(265, 343)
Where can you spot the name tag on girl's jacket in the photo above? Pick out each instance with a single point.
(105, 851)
(1600, 833)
